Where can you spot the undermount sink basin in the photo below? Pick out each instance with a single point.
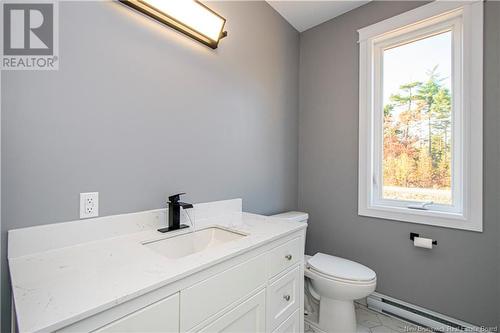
(187, 244)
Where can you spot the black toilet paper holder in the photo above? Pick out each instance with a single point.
(413, 235)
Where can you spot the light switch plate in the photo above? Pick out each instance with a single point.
(89, 204)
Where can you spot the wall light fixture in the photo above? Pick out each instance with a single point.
(190, 17)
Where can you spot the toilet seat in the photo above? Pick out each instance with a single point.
(313, 274)
(340, 269)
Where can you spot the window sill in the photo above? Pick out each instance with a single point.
(427, 217)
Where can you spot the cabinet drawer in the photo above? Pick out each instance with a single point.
(284, 256)
(283, 297)
(208, 297)
(162, 316)
(291, 325)
(246, 317)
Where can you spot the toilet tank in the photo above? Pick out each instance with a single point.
(293, 216)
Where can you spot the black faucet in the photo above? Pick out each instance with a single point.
(174, 213)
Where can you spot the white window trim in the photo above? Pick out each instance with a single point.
(467, 17)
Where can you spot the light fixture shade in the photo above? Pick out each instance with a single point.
(190, 17)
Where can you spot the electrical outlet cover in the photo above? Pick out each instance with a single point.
(89, 205)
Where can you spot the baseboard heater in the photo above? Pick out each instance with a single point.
(419, 316)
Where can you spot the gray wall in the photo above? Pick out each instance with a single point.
(460, 277)
(138, 111)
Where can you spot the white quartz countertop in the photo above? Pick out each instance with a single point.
(60, 286)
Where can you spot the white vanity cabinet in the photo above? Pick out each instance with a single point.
(257, 291)
(236, 272)
(247, 317)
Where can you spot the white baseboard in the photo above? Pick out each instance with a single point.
(420, 316)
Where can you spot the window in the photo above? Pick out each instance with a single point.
(420, 124)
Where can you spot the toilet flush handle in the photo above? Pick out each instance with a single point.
(288, 257)
(287, 298)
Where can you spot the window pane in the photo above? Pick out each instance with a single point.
(417, 138)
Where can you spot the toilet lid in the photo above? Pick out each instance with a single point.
(340, 268)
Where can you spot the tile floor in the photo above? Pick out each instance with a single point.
(373, 322)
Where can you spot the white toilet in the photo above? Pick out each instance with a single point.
(334, 283)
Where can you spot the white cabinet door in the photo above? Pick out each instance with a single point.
(284, 297)
(162, 316)
(210, 296)
(291, 325)
(248, 317)
(284, 256)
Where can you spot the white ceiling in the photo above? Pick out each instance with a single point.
(303, 15)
